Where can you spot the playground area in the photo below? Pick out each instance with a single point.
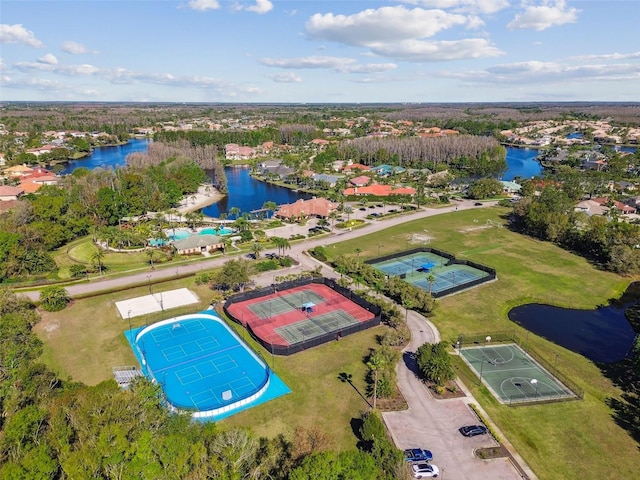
(436, 272)
(513, 376)
(203, 367)
(291, 318)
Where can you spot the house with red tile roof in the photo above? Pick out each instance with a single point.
(360, 181)
(315, 207)
(8, 193)
(379, 190)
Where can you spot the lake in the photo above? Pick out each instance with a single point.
(522, 162)
(109, 157)
(249, 194)
(603, 335)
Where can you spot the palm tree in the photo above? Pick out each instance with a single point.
(376, 362)
(348, 210)
(431, 278)
(235, 211)
(150, 253)
(358, 251)
(257, 248)
(333, 215)
(223, 218)
(98, 257)
(270, 206)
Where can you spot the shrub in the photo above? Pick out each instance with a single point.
(76, 270)
(285, 262)
(53, 299)
(266, 266)
(203, 278)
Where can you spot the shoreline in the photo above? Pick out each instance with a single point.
(205, 196)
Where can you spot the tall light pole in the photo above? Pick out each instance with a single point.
(129, 318)
(534, 382)
(149, 283)
(481, 367)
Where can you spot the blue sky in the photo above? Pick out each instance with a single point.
(320, 51)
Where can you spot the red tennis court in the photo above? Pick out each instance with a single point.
(291, 317)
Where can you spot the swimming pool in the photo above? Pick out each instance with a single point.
(203, 367)
(213, 231)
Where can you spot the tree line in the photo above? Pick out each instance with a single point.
(476, 156)
(56, 429)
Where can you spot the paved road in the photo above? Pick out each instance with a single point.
(96, 285)
(427, 423)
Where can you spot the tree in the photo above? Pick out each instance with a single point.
(98, 257)
(234, 275)
(234, 211)
(151, 253)
(270, 206)
(53, 298)
(434, 362)
(431, 278)
(375, 363)
(257, 248)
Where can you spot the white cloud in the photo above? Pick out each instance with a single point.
(49, 59)
(474, 6)
(285, 77)
(550, 13)
(308, 62)
(338, 64)
(609, 56)
(204, 5)
(261, 7)
(18, 34)
(427, 51)
(75, 48)
(386, 24)
(535, 72)
(67, 70)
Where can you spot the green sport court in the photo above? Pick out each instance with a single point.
(513, 376)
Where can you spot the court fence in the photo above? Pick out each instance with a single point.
(512, 337)
(452, 260)
(311, 342)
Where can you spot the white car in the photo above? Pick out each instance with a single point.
(424, 470)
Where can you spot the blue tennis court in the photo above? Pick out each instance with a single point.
(432, 272)
(203, 366)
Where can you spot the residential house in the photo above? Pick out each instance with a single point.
(378, 190)
(360, 181)
(315, 207)
(510, 187)
(331, 180)
(8, 193)
(356, 166)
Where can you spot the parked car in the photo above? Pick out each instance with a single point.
(424, 470)
(417, 455)
(473, 430)
(478, 204)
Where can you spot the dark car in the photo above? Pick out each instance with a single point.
(478, 204)
(417, 455)
(473, 430)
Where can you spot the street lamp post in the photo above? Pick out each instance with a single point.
(149, 283)
(129, 318)
(534, 382)
(481, 368)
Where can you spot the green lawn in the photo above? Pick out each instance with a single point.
(569, 440)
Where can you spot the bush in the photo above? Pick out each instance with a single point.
(53, 299)
(203, 278)
(76, 270)
(319, 253)
(286, 261)
(266, 266)
(434, 363)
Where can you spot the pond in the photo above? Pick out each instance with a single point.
(603, 335)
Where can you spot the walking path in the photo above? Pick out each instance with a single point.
(427, 423)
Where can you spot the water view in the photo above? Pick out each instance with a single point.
(249, 194)
(109, 157)
(522, 162)
(602, 335)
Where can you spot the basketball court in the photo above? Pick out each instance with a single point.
(512, 375)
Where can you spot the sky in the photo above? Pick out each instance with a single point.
(332, 51)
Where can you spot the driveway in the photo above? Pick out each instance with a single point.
(433, 424)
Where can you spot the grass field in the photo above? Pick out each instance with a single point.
(571, 440)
